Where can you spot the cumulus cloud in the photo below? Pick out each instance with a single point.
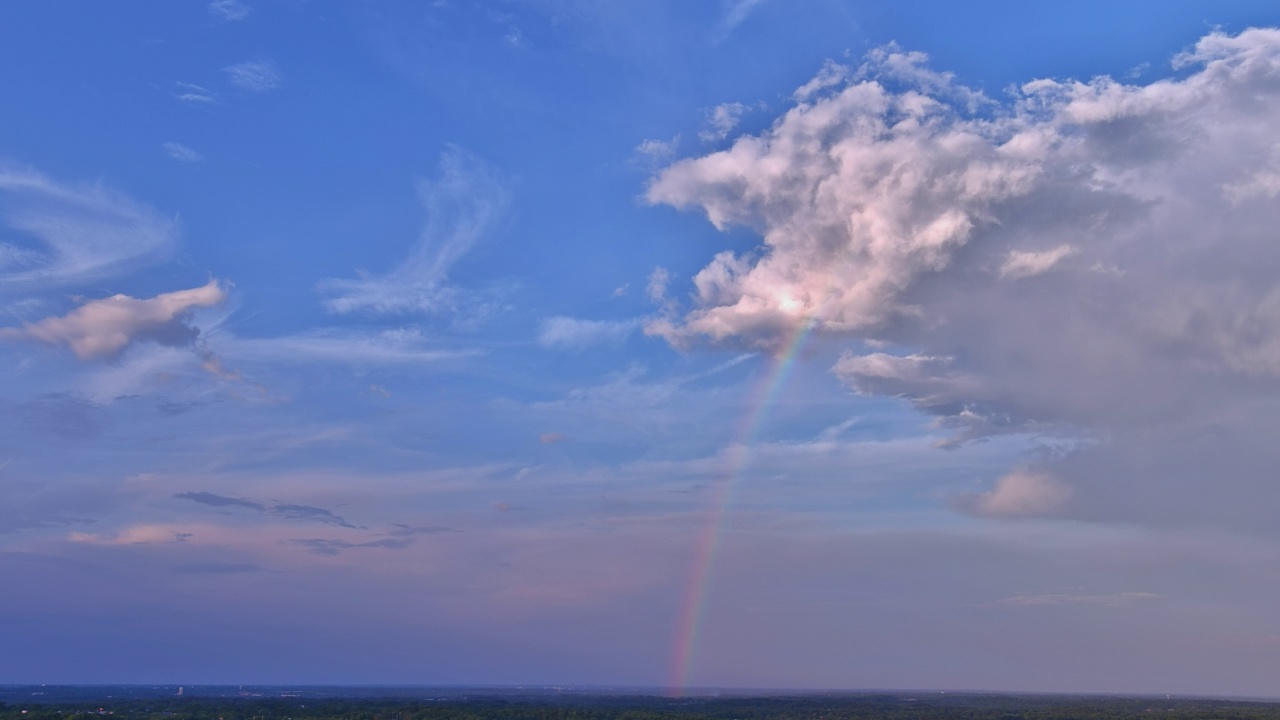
(63, 234)
(102, 328)
(567, 332)
(1093, 261)
(257, 76)
(465, 203)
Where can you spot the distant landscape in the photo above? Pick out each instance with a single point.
(162, 702)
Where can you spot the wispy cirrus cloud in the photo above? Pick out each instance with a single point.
(567, 332)
(732, 14)
(256, 76)
(228, 10)
(356, 347)
(195, 94)
(465, 202)
(181, 153)
(64, 234)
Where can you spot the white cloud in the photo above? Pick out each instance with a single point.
(192, 93)
(1027, 263)
(68, 234)
(721, 120)
(570, 332)
(102, 328)
(656, 289)
(465, 203)
(656, 152)
(228, 10)
(1094, 260)
(181, 153)
(258, 76)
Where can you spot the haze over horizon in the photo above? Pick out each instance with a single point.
(738, 343)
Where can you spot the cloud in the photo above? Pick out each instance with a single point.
(1092, 262)
(228, 10)
(551, 438)
(256, 76)
(1119, 599)
(192, 93)
(721, 120)
(1028, 263)
(465, 203)
(220, 501)
(733, 14)
(103, 328)
(284, 510)
(324, 546)
(71, 234)
(655, 152)
(399, 346)
(567, 332)
(1021, 493)
(181, 153)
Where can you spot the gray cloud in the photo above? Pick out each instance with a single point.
(322, 546)
(308, 512)
(220, 501)
(284, 510)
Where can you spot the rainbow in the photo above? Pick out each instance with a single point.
(691, 608)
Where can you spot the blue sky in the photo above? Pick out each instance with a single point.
(741, 344)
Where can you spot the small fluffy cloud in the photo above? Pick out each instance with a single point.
(102, 328)
(567, 332)
(257, 76)
(465, 203)
(1020, 493)
(721, 120)
(1093, 261)
(63, 234)
(181, 153)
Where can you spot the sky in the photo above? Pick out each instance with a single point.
(742, 344)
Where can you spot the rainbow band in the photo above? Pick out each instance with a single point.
(739, 452)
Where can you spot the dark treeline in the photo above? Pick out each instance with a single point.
(924, 706)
